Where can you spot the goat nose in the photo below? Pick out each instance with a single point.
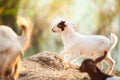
(53, 30)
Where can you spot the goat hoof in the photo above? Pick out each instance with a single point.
(66, 66)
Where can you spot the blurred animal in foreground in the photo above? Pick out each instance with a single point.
(78, 45)
(89, 66)
(12, 47)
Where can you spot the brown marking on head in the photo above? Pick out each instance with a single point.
(61, 25)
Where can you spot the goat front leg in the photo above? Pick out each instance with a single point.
(72, 59)
(111, 63)
(64, 53)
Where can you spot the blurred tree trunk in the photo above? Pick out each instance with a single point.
(8, 12)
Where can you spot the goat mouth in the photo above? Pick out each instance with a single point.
(53, 30)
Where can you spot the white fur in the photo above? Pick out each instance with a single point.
(79, 45)
(9, 39)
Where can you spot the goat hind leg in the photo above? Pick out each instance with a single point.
(100, 65)
(111, 63)
(16, 69)
(15, 73)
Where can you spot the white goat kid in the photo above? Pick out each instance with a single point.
(78, 45)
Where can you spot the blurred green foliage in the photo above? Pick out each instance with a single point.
(91, 16)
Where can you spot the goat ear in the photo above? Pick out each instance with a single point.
(62, 21)
(101, 58)
(74, 26)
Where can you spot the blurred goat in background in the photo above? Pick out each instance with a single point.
(12, 47)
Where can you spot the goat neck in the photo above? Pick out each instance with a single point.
(98, 75)
(67, 35)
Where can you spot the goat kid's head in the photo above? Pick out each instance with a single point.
(59, 27)
(89, 65)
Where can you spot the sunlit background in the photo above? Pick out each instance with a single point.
(91, 16)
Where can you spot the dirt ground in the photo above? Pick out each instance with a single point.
(48, 66)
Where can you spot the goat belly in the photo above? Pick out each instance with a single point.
(113, 78)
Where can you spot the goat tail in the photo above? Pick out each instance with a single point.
(114, 40)
(26, 26)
